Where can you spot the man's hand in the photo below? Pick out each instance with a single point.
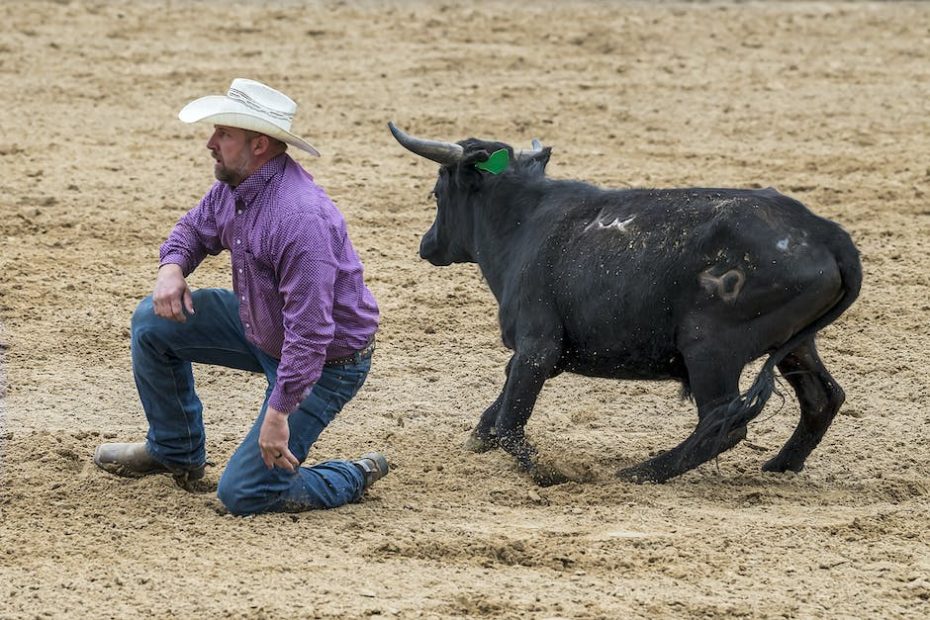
(272, 440)
(172, 295)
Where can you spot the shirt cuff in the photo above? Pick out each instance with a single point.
(176, 258)
(285, 403)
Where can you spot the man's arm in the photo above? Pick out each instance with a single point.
(193, 237)
(308, 332)
(306, 272)
(306, 269)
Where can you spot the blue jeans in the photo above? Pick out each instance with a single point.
(162, 352)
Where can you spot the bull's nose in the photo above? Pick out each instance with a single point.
(436, 261)
(427, 247)
(429, 251)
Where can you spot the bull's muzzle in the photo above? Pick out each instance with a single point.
(430, 250)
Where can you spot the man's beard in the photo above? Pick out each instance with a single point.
(224, 174)
(231, 175)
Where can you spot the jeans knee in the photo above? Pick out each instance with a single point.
(234, 498)
(144, 317)
(150, 331)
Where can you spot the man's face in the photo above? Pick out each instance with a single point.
(231, 147)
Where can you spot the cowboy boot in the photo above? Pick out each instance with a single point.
(373, 466)
(133, 460)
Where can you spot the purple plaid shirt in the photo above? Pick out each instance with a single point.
(301, 295)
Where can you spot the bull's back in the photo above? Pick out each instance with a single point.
(627, 267)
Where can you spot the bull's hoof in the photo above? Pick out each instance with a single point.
(480, 443)
(781, 463)
(640, 474)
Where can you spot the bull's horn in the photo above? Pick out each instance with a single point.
(534, 149)
(446, 153)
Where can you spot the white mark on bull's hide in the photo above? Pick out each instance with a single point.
(783, 244)
(600, 223)
(726, 286)
(726, 202)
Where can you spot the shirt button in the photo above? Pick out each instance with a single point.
(238, 241)
(239, 212)
(240, 270)
(247, 325)
(243, 298)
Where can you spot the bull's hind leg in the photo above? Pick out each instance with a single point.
(713, 383)
(820, 398)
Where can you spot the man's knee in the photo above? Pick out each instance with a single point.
(144, 319)
(150, 331)
(234, 498)
(145, 312)
(239, 499)
(148, 327)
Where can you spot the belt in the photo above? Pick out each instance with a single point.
(355, 358)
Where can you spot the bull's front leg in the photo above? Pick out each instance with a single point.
(530, 366)
(484, 435)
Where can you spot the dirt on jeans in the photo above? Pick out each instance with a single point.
(826, 101)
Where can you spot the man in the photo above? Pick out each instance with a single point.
(299, 311)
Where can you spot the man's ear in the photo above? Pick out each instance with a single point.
(260, 145)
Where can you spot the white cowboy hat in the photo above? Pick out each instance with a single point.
(249, 105)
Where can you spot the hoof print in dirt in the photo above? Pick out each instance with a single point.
(203, 485)
(547, 474)
(545, 478)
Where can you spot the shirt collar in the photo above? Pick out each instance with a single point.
(256, 182)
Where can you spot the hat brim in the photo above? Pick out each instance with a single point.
(220, 110)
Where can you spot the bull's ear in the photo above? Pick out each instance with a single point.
(537, 160)
(496, 162)
(473, 157)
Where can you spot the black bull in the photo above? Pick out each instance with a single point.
(684, 284)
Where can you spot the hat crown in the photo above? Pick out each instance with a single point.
(277, 107)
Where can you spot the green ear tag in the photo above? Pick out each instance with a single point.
(496, 163)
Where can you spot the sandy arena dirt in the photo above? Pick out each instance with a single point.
(826, 101)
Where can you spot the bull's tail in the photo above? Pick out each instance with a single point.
(741, 410)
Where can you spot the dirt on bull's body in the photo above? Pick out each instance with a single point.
(826, 101)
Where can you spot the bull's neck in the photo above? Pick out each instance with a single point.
(502, 221)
